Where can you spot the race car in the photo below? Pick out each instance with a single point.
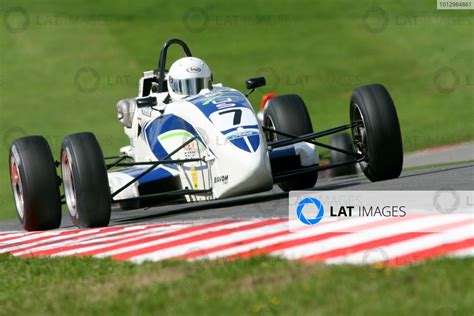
(194, 140)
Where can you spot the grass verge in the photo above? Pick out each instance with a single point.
(263, 285)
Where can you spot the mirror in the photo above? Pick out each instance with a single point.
(254, 83)
(146, 102)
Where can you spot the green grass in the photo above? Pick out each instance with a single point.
(320, 51)
(263, 286)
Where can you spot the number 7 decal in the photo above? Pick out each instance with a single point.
(237, 115)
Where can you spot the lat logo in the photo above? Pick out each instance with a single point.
(309, 206)
(306, 203)
(343, 211)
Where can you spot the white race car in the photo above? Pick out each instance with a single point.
(192, 146)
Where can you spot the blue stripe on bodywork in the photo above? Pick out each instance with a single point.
(163, 124)
(208, 103)
(240, 143)
(282, 152)
(254, 141)
(154, 175)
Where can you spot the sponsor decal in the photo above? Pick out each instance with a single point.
(242, 133)
(222, 179)
(191, 151)
(194, 177)
(193, 69)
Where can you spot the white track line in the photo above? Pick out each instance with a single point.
(180, 250)
(15, 234)
(108, 242)
(28, 241)
(126, 231)
(22, 237)
(326, 227)
(173, 238)
(409, 246)
(409, 225)
(467, 252)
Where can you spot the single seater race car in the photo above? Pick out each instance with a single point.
(194, 147)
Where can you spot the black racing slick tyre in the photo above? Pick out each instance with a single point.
(342, 141)
(377, 137)
(86, 185)
(288, 114)
(34, 182)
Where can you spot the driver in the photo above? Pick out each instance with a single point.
(188, 76)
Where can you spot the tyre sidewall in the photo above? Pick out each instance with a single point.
(41, 197)
(93, 200)
(384, 144)
(290, 115)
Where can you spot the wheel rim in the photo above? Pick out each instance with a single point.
(68, 181)
(17, 188)
(359, 135)
(268, 122)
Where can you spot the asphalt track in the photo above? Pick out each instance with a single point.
(274, 204)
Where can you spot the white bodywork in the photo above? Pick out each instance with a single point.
(227, 169)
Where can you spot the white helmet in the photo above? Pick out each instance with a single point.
(188, 76)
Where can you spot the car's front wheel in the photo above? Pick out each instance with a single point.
(86, 185)
(288, 114)
(34, 183)
(377, 136)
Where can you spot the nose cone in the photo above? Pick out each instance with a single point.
(247, 173)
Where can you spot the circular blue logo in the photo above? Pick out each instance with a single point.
(310, 221)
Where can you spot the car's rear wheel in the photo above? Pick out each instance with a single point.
(35, 184)
(342, 141)
(378, 137)
(86, 185)
(288, 114)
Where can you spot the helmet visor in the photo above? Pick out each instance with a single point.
(190, 86)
